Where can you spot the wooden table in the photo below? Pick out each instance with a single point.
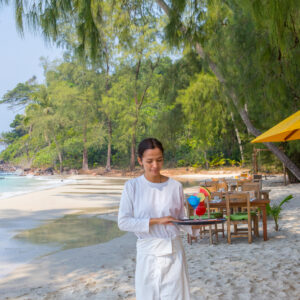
(255, 203)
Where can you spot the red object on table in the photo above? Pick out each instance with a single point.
(201, 209)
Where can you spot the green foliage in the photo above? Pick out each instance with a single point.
(45, 157)
(17, 131)
(181, 163)
(218, 160)
(276, 209)
(123, 87)
(232, 162)
(20, 95)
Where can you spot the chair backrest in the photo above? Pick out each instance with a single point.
(252, 186)
(217, 194)
(189, 209)
(242, 199)
(241, 182)
(258, 178)
(223, 185)
(212, 186)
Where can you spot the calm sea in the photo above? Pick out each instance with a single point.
(12, 184)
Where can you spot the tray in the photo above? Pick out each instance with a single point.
(199, 222)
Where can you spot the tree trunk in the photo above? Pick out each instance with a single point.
(98, 22)
(251, 129)
(109, 123)
(238, 138)
(282, 157)
(60, 161)
(206, 162)
(109, 127)
(132, 156)
(85, 165)
(59, 154)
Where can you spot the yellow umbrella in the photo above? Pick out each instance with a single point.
(286, 130)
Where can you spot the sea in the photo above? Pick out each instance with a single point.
(15, 252)
(12, 184)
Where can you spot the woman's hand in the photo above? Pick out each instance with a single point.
(162, 221)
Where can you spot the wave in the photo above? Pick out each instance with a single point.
(47, 184)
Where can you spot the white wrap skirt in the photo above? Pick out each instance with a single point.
(161, 270)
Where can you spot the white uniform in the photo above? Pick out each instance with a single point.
(161, 271)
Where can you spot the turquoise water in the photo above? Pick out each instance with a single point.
(12, 184)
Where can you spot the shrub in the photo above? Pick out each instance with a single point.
(275, 210)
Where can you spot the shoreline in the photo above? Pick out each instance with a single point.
(31, 210)
(69, 179)
(41, 187)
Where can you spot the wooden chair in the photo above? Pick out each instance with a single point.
(243, 200)
(258, 178)
(189, 213)
(239, 183)
(248, 187)
(210, 231)
(212, 186)
(202, 228)
(222, 185)
(252, 186)
(220, 212)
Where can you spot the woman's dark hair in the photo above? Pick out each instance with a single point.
(149, 143)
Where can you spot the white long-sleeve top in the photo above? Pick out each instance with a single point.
(142, 200)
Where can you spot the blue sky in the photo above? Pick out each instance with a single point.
(19, 59)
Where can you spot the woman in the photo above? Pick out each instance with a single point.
(148, 206)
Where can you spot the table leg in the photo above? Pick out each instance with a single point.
(264, 220)
(210, 235)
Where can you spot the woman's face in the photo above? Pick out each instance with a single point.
(152, 161)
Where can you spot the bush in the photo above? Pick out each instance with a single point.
(45, 158)
(181, 163)
(275, 210)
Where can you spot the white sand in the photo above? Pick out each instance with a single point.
(262, 270)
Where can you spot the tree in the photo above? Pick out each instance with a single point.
(72, 85)
(191, 23)
(192, 33)
(17, 130)
(205, 111)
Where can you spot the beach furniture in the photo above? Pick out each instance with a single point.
(257, 177)
(252, 186)
(261, 204)
(222, 186)
(244, 175)
(212, 186)
(242, 200)
(203, 230)
(218, 212)
(190, 214)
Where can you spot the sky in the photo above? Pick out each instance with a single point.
(19, 59)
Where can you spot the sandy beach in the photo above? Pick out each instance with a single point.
(94, 267)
